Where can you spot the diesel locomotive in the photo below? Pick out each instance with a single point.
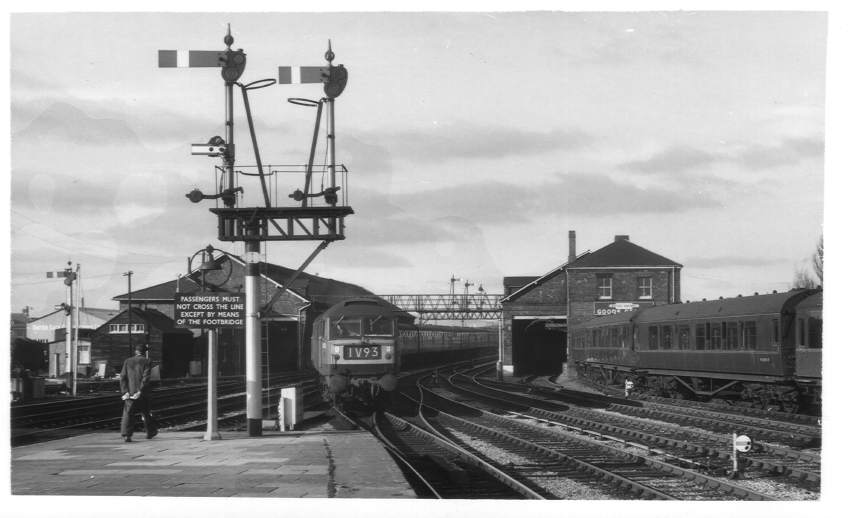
(359, 346)
(764, 350)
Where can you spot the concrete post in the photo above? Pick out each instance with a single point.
(253, 356)
(212, 387)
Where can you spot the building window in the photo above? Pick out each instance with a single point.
(605, 286)
(83, 354)
(644, 287)
(122, 328)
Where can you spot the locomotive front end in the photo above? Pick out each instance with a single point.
(355, 351)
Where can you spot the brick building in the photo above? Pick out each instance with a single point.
(537, 311)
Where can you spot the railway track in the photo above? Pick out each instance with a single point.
(176, 408)
(781, 431)
(550, 456)
(706, 450)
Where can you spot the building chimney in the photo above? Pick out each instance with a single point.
(621, 238)
(571, 246)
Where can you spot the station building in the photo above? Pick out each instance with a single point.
(50, 329)
(537, 311)
(286, 328)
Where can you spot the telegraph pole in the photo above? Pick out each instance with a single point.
(129, 276)
(75, 356)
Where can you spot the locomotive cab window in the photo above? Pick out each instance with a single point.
(379, 326)
(346, 328)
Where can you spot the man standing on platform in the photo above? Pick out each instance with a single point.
(135, 390)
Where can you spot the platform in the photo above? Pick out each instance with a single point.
(317, 464)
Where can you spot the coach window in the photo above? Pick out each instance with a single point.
(701, 336)
(800, 332)
(716, 336)
(815, 333)
(623, 335)
(644, 287)
(684, 337)
(732, 336)
(605, 285)
(653, 337)
(666, 337)
(750, 335)
(776, 338)
(595, 337)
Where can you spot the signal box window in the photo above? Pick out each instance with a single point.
(644, 287)
(605, 286)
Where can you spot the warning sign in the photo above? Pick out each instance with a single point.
(209, 310)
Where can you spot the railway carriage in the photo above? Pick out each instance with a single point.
(762, 348)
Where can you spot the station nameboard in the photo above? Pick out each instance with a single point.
(612, 308)
(209, 310)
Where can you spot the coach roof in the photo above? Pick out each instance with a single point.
(770, 304)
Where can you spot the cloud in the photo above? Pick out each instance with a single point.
(444, 142)
(677, 159)
(566, 194)
(731, 262)
(789, 151)
(65, 122)
(674, 159)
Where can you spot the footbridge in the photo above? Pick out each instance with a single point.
(481, 306)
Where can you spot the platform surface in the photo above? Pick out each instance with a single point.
(333, 464)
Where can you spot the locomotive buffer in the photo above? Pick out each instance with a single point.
(253, 225)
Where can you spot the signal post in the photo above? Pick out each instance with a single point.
(271, 222)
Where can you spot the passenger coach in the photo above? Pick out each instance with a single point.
(762, 348)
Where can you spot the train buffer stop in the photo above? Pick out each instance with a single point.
(308, 464)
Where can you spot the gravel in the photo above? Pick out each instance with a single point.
(551, 481)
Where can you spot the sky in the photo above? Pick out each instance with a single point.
(475, 141)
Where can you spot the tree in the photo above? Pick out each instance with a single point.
(817, 259)
(803, 278)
